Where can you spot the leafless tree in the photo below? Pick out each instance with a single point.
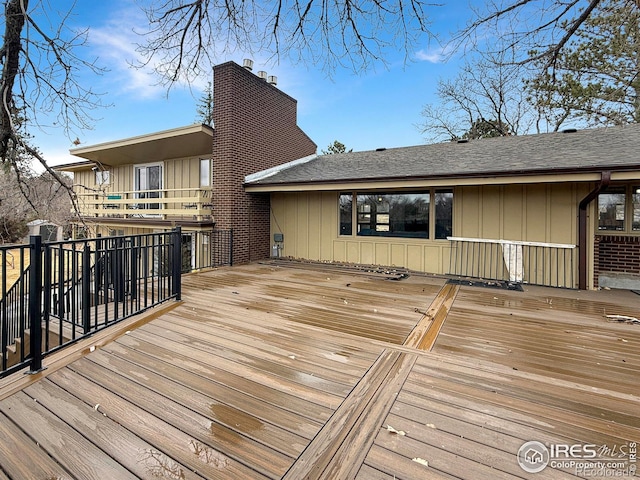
(40, 67)
(487, 98)
(185, 37)
(25, 197)
(538, 29)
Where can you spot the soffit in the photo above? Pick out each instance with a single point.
(191, 141)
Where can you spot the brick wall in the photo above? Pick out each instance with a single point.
(254, 129)
(616, 253)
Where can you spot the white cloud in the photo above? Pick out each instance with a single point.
(115, 46)
(434, 55)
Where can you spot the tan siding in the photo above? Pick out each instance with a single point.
(537, 228)
(513, 217)
(467, 212)
(489, 206)
(382, 253)
(543, 213)
(302, 238)
(539, 213)
(330, 224)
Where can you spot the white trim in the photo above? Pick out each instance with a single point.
(254, 177)
(511, 242)
(146, 165)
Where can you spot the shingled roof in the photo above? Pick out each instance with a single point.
(612, 148)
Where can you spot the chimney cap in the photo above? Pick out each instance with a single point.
(248, 64)
(272, 80)
(262, 74)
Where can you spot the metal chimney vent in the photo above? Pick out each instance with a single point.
(262, 74)
(272, 80)
(248, 64)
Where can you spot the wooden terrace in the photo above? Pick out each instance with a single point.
(314, 371)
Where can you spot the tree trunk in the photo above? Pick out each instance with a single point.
(11, 50)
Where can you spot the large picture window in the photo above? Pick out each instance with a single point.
(393, 215)
(426, 214)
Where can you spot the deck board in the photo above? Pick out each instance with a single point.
(57, 438)
(268, 371)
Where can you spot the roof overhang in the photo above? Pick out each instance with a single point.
(435, 182)
(190, 141)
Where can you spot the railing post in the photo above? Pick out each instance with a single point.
(177, 263)
(118, 272)
(35, 303)
(133, 270)
(86, 288)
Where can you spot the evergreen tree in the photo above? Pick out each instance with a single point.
(596, 79)
(336, 147)
(205, 106)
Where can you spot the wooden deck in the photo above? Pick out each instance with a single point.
(267, 371)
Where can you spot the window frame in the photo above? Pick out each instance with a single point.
(630, 190)
(200, 171)
(102, 177)
(431, 213)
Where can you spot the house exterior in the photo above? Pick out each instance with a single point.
(192, 176)
(559, 209)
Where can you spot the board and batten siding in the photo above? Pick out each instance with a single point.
(532, 213)
(309, 222)
(177, 173)
(526, 212)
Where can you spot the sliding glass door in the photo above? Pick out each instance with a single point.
(148, 184)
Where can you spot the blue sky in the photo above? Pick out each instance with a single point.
(378, 108)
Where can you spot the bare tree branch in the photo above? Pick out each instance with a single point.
(186, 37)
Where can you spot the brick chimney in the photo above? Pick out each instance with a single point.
(254, 129)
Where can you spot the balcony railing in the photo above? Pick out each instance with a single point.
(184, 203)
(66, 291)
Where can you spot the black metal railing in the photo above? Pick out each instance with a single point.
(72, 289)
(535, 263)
(206, 249)
(222, 251)
(14, 290)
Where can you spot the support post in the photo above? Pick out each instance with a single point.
(35, 303)
(86, 288)
(177, 263)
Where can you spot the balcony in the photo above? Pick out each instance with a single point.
(165, 204)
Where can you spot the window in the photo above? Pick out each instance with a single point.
(148, 183)
(635, 198)
(205, 172)
(346, 210)
(384, 214)
(612, 209)
(393, 215)
(444, 214)
(102, 177)
(619, 209)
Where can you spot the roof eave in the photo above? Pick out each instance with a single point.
(517, 176)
